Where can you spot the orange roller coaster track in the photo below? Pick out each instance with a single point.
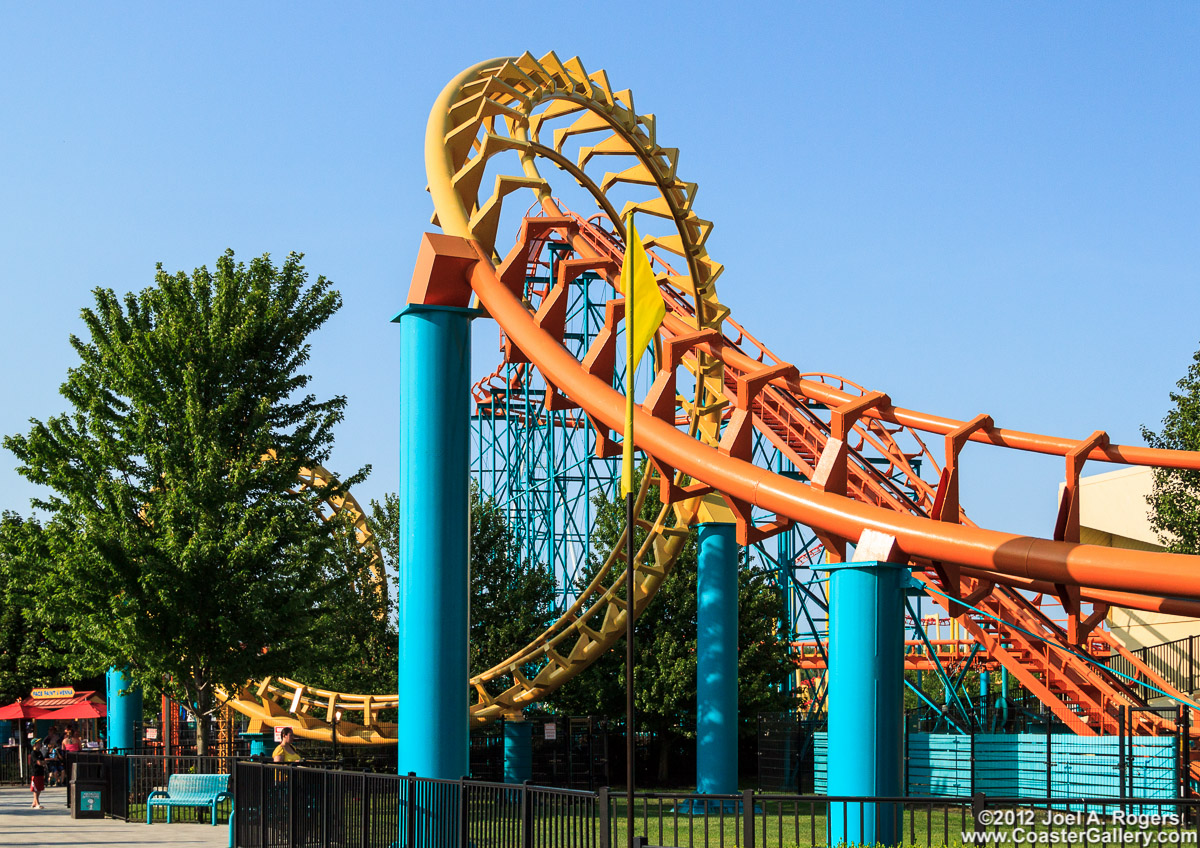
(714, 387)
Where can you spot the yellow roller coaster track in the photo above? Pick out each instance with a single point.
(496, 107)
(505, 118)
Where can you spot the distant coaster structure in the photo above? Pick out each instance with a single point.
(802, 463)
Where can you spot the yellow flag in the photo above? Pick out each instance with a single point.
(644, 313)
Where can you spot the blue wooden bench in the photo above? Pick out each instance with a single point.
(190, 790)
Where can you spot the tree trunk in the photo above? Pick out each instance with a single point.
(664, 757)
(202, 701)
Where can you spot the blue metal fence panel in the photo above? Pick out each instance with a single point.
(821, 763)
(1015, 765)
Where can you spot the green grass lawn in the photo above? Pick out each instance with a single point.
(776, 825)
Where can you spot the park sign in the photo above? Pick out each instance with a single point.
(57, 692)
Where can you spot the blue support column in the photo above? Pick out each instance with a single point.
(435, 356)
(518, 751)
(866, 686)
(124, 710)
(716, 659)
(261, 744)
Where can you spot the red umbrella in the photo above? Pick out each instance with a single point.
(84, 709)
(17, 710)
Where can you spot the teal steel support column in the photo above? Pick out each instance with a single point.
(124, 710)
(261, 744)
(435, 358)
(866, 707)
(518, 751)
(717, 659)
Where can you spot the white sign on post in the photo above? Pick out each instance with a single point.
(551, 730)
(278, 734)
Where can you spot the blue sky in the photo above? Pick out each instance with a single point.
(975, 208)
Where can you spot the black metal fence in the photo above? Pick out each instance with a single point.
(129, 780)
(280, 806)
(10, 765)
(572, 752)
(286, 806)
(1174, 661)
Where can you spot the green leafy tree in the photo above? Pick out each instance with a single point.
(181, 548)
(352, 643)
(665, 647)
(1175, 500)
(385, 523)
(27, 654)
(512, 599)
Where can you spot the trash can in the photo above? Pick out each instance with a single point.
(86, 795)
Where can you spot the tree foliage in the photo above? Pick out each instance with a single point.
(28, 657)
(665, 646)
(512, 598)
(1175, 500)
(180, 546)
(352, 644)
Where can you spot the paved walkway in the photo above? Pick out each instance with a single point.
(53, 827)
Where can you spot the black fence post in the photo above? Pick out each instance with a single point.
(1122, 743)
(463, 812)
(326, 807)
(1191, 675)
(1049, 737)
(366, 813)
(262, 806)
(291, 807)
(410, 809)
(972, 764)
(747, 818)
(526, 817)
(1131, 755)
(1185, 752)
(978, 805)
(604, 812)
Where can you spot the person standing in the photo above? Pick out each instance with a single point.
(71, 743)
(54, 765)
(284, 752)
(37, 774)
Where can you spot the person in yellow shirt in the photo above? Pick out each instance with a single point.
(284, 752)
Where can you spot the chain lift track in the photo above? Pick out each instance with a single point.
(715, 390)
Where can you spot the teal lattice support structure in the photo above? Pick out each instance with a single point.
(539, 464)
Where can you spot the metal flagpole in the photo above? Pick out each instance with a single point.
(630, 544)
(630, 747)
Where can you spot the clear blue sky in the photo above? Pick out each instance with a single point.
(974, 207)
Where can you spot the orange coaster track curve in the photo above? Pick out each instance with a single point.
(696, 432)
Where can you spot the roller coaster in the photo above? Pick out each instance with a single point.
(804, 461)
